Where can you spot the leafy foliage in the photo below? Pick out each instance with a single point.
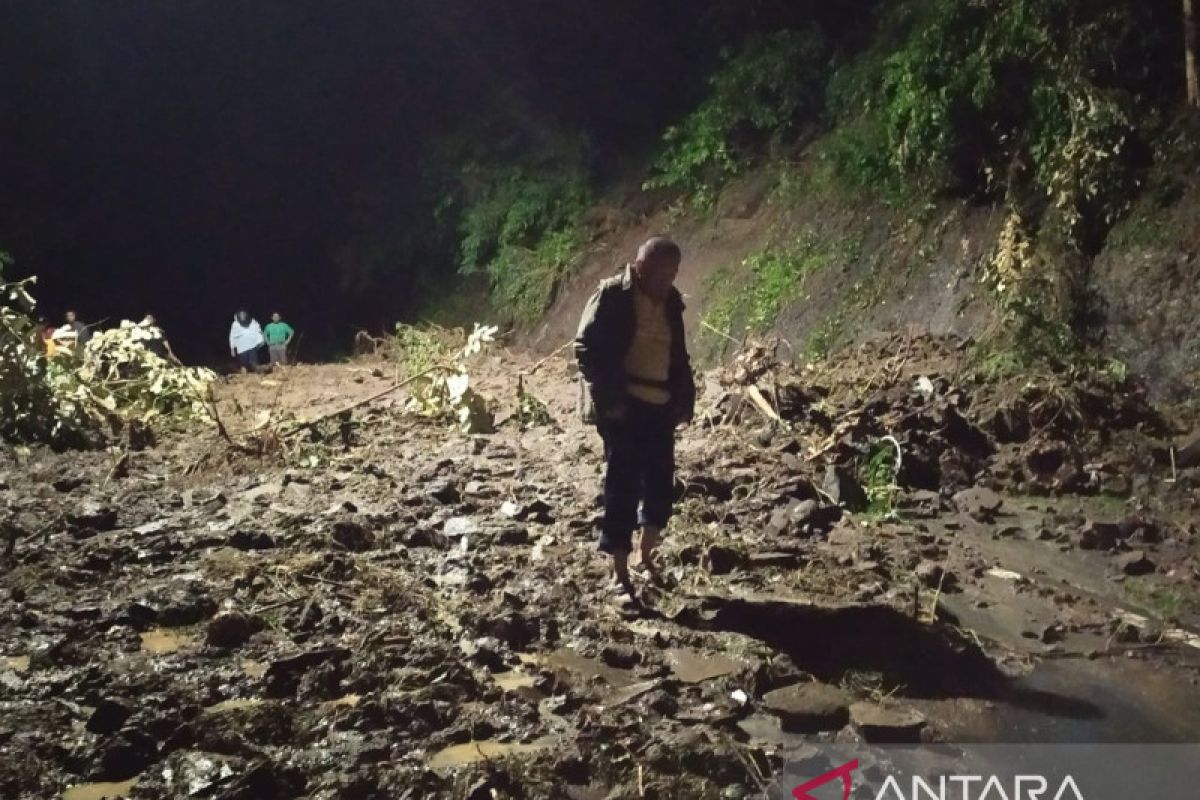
(71, 399)
(522, 227)
(445, 391)
(773, 278)
(761, 91)
(879, 474)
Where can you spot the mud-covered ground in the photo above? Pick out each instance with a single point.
(385, 608)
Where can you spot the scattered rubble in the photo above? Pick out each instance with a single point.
(418, 613)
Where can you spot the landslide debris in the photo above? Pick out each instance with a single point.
(420, 613)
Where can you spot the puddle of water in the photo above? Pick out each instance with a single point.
(100, 791)
(253, 669)
(161, 641)
(349, 701)
(1077, 700)
(239, 704)
(461, 755)
(17, 663)
(695, 666)
(514, 681)
(570, 661)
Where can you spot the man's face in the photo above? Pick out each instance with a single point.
(276, 317)
(656, 275)
(243, 318)
(71, 317)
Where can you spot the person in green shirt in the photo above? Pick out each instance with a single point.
(278, 335)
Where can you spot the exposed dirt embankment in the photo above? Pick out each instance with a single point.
(863, 268)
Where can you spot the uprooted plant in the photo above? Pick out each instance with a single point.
(445, 390)
(79, 398)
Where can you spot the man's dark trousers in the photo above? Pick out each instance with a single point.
(639, 458)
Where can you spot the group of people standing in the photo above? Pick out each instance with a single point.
(247, 339)
(71, 334)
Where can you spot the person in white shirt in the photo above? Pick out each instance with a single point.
(245, 339)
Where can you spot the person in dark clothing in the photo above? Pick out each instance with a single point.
(637, 387)
(82, 333)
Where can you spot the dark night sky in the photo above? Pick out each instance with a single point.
(190, 156)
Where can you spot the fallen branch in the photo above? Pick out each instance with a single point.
(763, 405)
(548, 358)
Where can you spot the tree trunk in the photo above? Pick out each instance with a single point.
(1189, 46)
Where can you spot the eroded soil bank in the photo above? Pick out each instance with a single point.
(392, 609)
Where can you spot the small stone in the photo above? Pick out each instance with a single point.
(232, 629)
(621, 656)
(978, 502)
(513, 536)
(881, 724)
(460, 526)
(94, 516)
(444, 492)
(1135, 562)
(721, 560)
(934, 575)
(1099, 535)
(808, 707)
(251, 540)
(353, 535)
(110, 715)
(844, 488)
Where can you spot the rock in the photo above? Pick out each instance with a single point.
(1188, 453)
(1053, 634)
(1135, 562)
(175, 608)
(513, 536)
(843, 488)
(808, 707)
(127, 755)
(621, 656)
(110, 715)
(885, 724)
(536, 511)
(232, 629)
(978, 502)
(1099, 535)
(284, 675)
(353, 535)
(456, 527)
(933, 575)
(721, 560)
(444, 492)
(68, 484)
(94, 516)
(251, 540)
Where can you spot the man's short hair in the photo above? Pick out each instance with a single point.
(659, 247)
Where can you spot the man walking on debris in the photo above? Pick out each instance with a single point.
(279, 335)
(245, 337)
(637, 387)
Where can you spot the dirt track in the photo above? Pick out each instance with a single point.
(394, 608)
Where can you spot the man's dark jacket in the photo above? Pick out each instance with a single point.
(606, 333)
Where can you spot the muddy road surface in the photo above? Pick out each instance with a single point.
(383, 607)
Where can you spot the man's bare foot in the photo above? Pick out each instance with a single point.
(621, 574)
(649, 543)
